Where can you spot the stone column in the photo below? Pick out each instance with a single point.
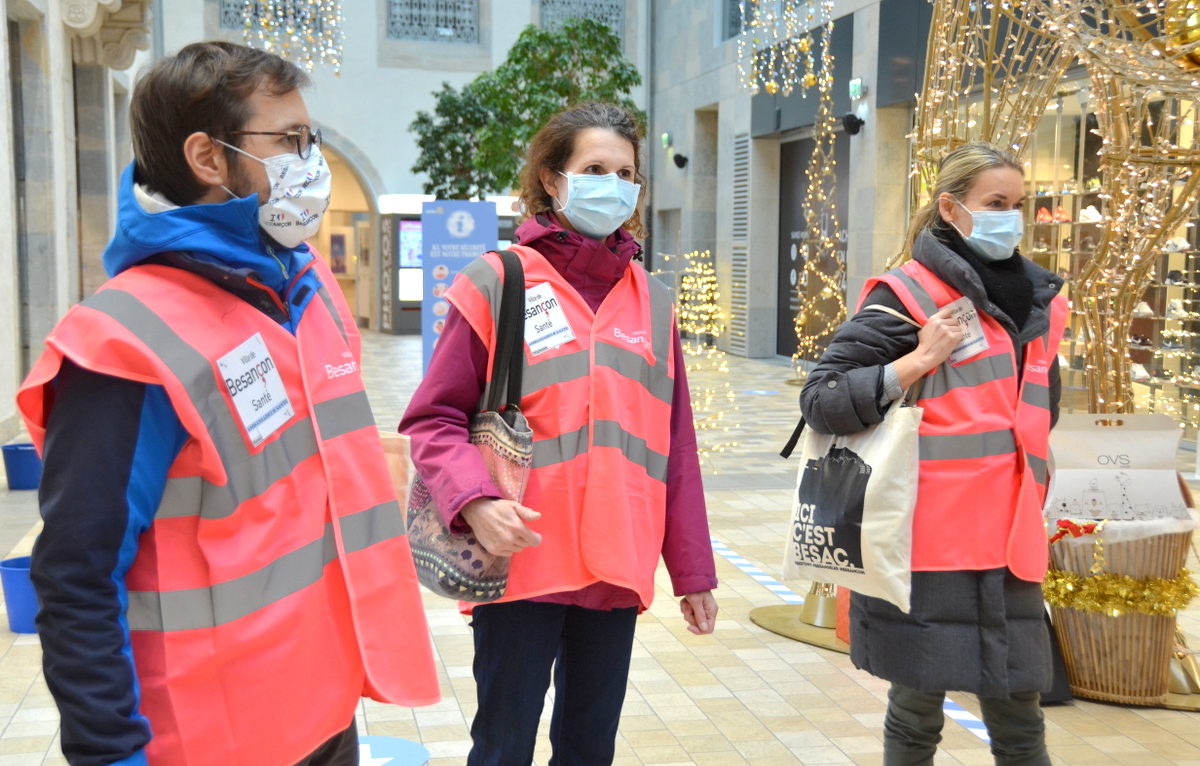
(93, 125)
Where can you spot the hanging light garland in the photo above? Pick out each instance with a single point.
(775, 48)
(776, 54)
(305, 32)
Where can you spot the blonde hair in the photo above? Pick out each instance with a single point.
(956, 175)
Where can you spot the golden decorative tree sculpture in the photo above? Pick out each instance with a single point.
(1144, 62)
(990, 71)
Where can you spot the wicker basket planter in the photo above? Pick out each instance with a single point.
(1121, 658)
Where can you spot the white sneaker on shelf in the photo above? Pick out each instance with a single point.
(1175, 309)
(1143, 310)
(1090, 215)
(1177, 245)
(1138, 372)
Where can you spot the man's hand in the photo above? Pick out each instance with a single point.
(499, 525)
(700, 612)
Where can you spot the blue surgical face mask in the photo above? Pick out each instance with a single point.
(994, 233)
(597, 205)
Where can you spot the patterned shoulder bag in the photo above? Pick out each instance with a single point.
(454, 564)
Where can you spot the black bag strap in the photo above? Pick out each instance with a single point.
(508, 360)
(786, 452)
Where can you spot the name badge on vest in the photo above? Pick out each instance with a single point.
(546, 324)
(973, 340)
(254, 382)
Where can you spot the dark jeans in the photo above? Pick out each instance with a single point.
(516, 644)
(913, 726)
(339, 750)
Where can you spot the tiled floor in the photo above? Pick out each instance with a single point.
(740, 696)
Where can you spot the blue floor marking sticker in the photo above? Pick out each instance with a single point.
(951, 709)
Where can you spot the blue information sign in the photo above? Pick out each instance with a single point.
(453, 233)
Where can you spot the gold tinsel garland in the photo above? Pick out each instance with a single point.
(1114, 595)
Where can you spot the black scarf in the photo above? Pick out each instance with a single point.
(1005, 281)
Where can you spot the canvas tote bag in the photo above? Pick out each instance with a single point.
(454, 564)
(853, 505)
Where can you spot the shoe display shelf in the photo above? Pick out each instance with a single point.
(1166, 328)
(1064, 223)
(1064, 212)
(1065, 226)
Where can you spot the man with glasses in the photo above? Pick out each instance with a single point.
(223, 571)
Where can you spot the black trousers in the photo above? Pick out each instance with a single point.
(339, 750)
(516, 644)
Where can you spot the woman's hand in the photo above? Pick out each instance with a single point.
(935, 340)
(499, 525)
(699, 611)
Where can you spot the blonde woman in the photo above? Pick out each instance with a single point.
(986, 356)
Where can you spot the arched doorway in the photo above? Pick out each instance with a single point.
(348, 236)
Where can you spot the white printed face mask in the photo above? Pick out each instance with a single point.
(597, 205)
(994, 233)
(299, 195)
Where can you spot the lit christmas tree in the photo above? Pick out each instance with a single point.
(701, 322)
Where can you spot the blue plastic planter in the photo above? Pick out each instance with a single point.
(20, 600)
(22, 466)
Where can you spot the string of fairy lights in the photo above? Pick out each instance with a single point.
(777, 54)
(701, 322)
(1143, 59)
(305, 32)
(821, 289)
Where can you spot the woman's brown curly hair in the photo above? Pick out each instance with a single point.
(555, 142)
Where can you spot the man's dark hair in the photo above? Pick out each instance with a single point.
(204, 87)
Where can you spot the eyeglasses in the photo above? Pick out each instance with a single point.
(304, 139)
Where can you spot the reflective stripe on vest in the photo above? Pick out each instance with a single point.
(573, 366)
(965, 446)
(1040, 468)
(610, 434)
(973, 372)
(599, 406)
(249, 473)
(208, 607)
(1037, 395)
(333, 312)
(978, 507)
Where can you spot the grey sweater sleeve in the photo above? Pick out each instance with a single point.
(844, 391)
